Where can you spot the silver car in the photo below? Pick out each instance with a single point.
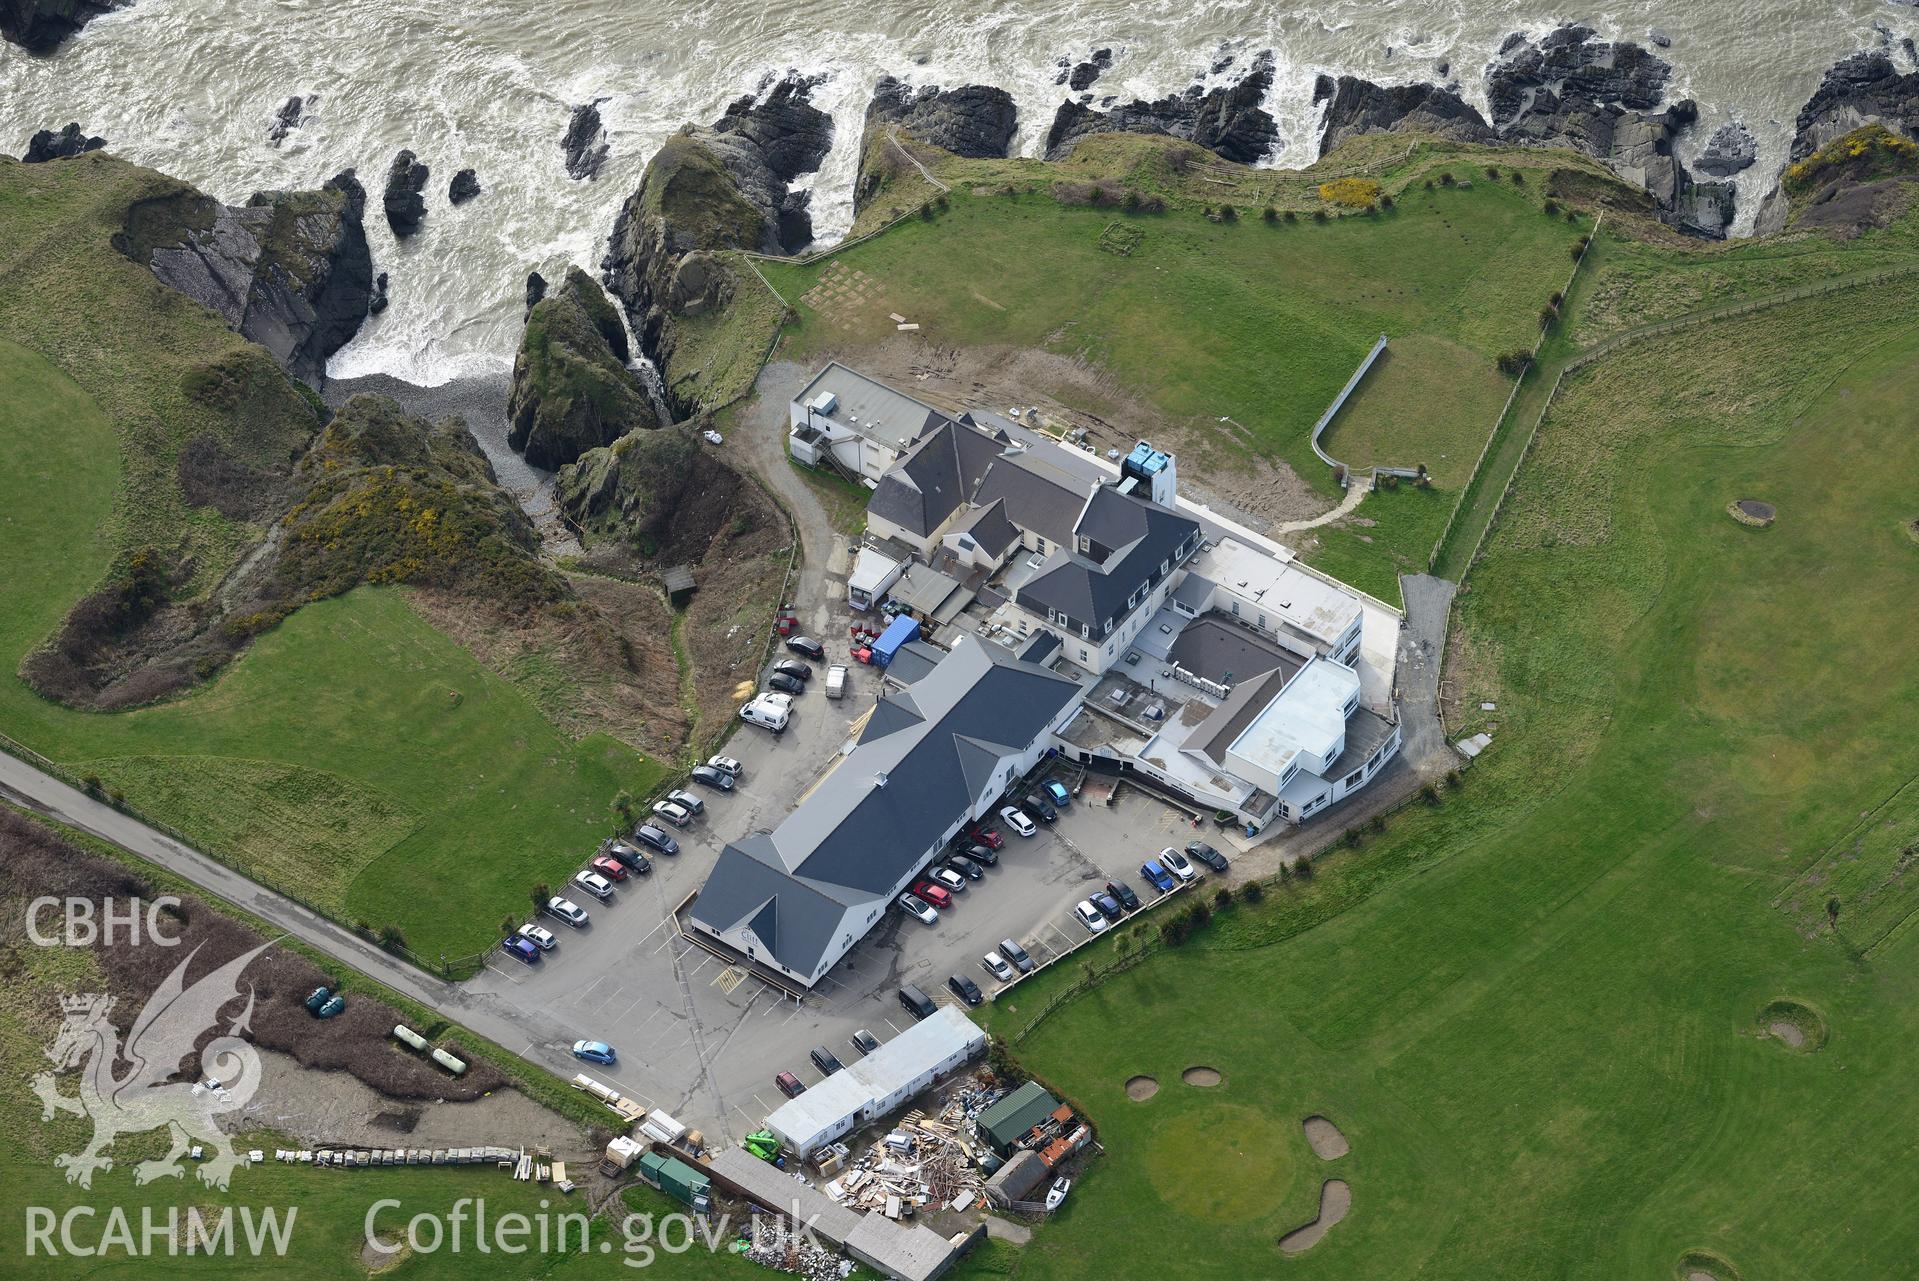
(567, 910)
(995, 964)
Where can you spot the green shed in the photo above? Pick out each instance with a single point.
(677, 1179)
(1014, 1115)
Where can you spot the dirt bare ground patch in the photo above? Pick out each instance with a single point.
(1141, 1088)
(1327, 1142)
(1794, 1024)
(1750, 511)
(1203, 1077)
(1704, 1265)
(1335, 1199)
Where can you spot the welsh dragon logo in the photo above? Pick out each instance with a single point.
(145, 1097)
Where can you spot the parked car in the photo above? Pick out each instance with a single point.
(539, 936)
(793, 667)
(937, 895)
(823, 1060)
(807, 647)
(1055, 791)
(965, 989)
(1091, 917)
(863, 1041)
(1175, 862)
(673, 812)
(980, 834)
(1017, 955)
(915, 906)
(1018, 821)
(727, 766)
(595, 884)
(785, 684)
(965, 866)
(629, 857)
(595, 1052)
(767, 714)
(995, 964)
(566, 909)
(656, 838)
(1124, 893)
(521, 949)
(1107, 905)
(954, 882)
(1037, 806)
(609, 867)
(1201, 852)
(1156, 876)
(983, 855)
(916, 1002)
(789, 1084)
(686, 800)
(718, 779)
(1056, 1195)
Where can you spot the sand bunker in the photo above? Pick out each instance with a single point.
(1704, 1265)
(1141, 1088)
(1335, 1199)
(1750, 511)
(1327, 1142)
(1793, 1024)
(1204, 1077)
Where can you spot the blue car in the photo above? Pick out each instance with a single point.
(1057, 793)
(594, 1052)
(521, 947)
(1157, 876)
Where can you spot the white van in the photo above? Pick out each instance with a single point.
(836, 681)
(766, 714)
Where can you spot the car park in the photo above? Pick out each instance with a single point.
(566, 910)
(1017, 955)
(1091, 917)
(789, 1085)
(995, 964)
(717, 779)
(673, 812)
(539, 936)
(609, 867)
(1124, 893)
(965, 989)
(863, 1041)
(595, 884)
(1175, 862)
(807, 647)
(980, 834)
(953, 882)
(595, 1052)
(934, 894)
(1156, 876)
(1201, 852)
(823, 1060)
(629, 857)
(965, 866)
(915, 906)
(727, 766)
(983, 855)
(687, 801)
(785, 684)
(916, 1002)
(1018, 821)
(656, 838)
(793, 667)
(1055, 791)
(1107, 905)
(1039, 808)
(521, 949)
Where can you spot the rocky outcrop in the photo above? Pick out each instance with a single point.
(1863, 89)
(378, 302)
(404, 201)
(39, 26)
(1569, 70)
(535, 290)
(1080, 77)
(70, 141)
(1731, 149)
(1355, 107)
(465, 186)
(289, 270)
(977, 121)
(585, 142)
(633, 487)
(790, 135)
(286, 119)
(1227, 120)
(571, 388)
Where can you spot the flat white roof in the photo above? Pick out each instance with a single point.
(1308, 715)
(1316, 606)
(897, 1063)
(870, 569)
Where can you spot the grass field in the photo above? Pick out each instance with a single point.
(353, 757)
(1533, 1009)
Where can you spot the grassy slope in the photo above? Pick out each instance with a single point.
(1537, 1031)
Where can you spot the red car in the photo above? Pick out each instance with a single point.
(937, 895)
(982, 835)
(611, 868)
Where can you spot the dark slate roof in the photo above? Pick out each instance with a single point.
(989, 528)
(921, 491)
(1090, 591)
(747, 886)
(1039, 496)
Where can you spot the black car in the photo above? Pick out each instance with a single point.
(656, 837)
(982, 855)
(793, 667)
(807, 647)
(785, 684)
(1039, 807)
(1201, 852)
(823, 1060)
(714, 778)
(629, 857)
(863, 1041)
(965, 867)
(1124, 893)
(965, 989)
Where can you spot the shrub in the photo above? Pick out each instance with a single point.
(1429, 184)
(1199, 913)
(1253, 891)
(1551, 207)
(1555, 300)
(1579, 247)
(1153, 205)
(1519, 179)
(1386, 202)
(1445, 179)
(1429, 794)
(92, 786)
(1492, 171)
(1223, 899)
(391, 939)
(1572, 216)
(1452, 778)
(1351, 838)
(926, 213)
(1377, 822)
(540, 894)
(1513, 363)
(1546, 317)
(1319, 215)
(1228, 214)
(1291, 216)
(1270, 214)
(1132, 202)
(1304, 869)
(1351, 193)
